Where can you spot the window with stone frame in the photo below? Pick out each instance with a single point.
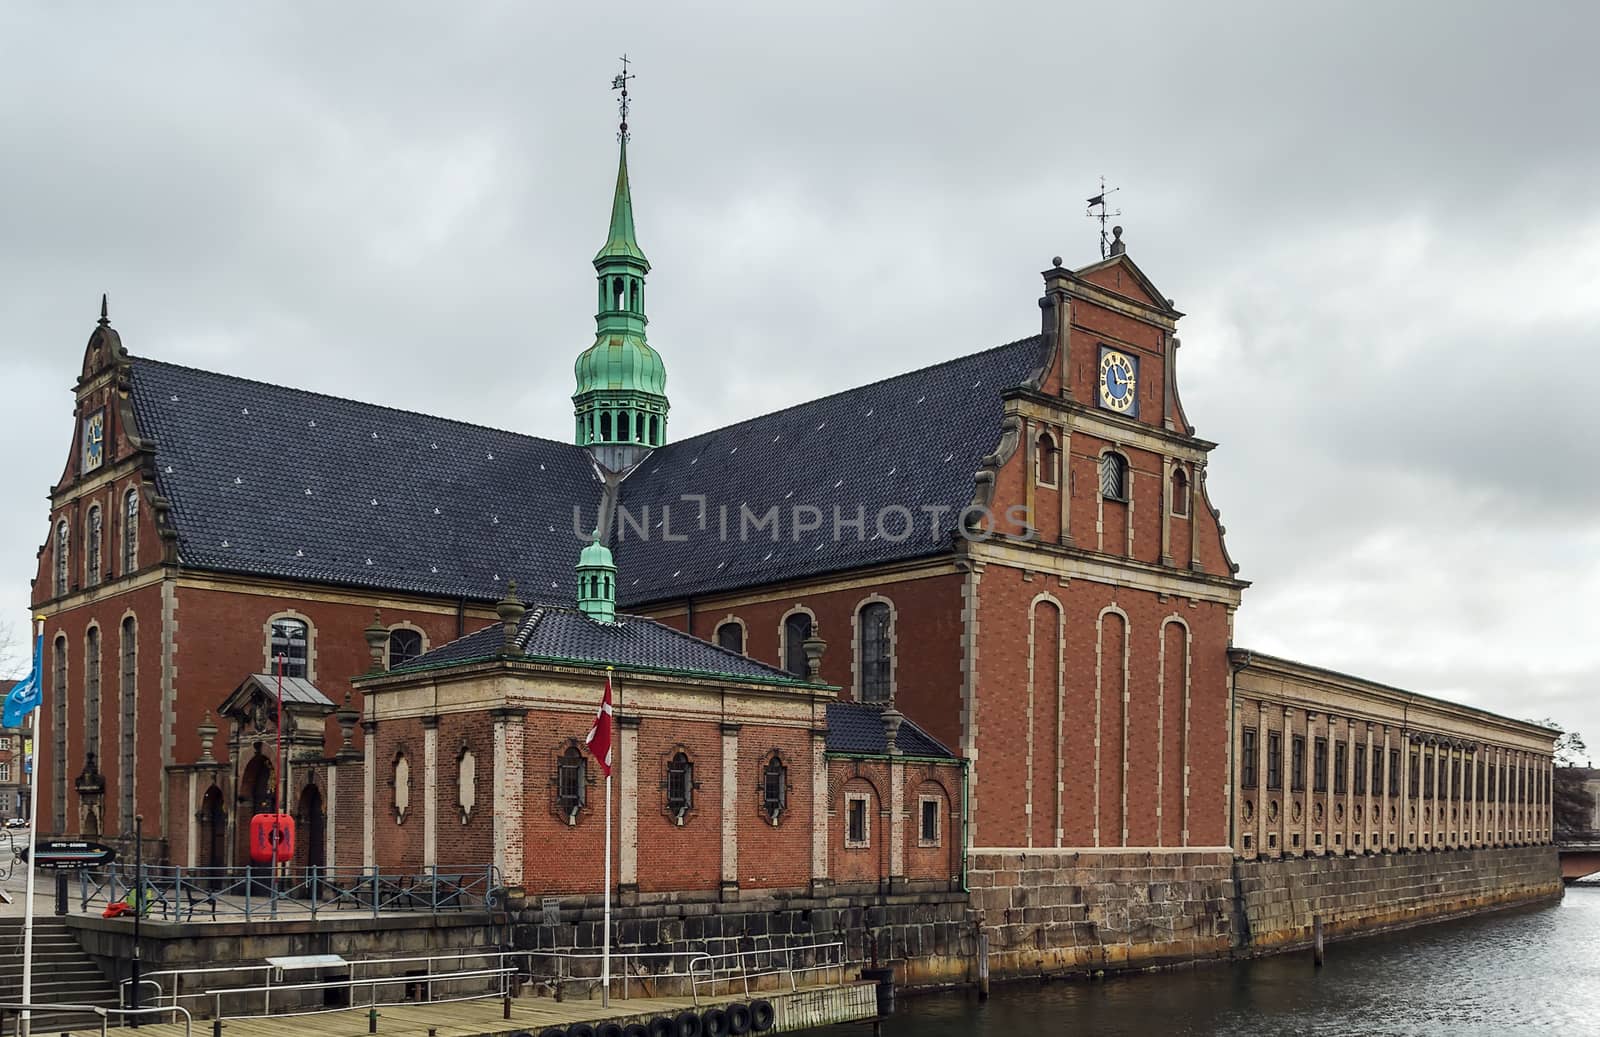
(1478, 794)
(63, 556)
(1247, 763)
(1411, 781)
(730, 635)
(1341, 760)
(1274, 760)
(1048, 460)
(404, 646)
(1394, 772)
(1180, 492)
(796, 630)
(857, 823)
(1360, 787)
(128, 691)
(1377, 770)
(874, 633)
(928, 821)
(774, 788)
(1297, 764)
(679, 786)
(130, 531)
(91, 691)
(289, 643)
(1113, 476)
(1319, 766)
(94, 532)
(1427, 781)
(572, 782)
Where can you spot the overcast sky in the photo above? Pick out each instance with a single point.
(1383, 224)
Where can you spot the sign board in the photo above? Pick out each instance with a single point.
(67, 854)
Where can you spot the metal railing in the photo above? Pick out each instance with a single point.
(16, 1008)
(501, 963)
(182, 894)
(647, 970)
(423, 983)
(780, 963)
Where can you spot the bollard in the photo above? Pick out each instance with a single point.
(884, 978)
(372, 1020)
(61, 893)
(216, 1028)
(506, 1010)
(1316, 941)
(983, 966)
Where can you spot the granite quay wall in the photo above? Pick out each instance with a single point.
(1278, 899)
(1048, 912)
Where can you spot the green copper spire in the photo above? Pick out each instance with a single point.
(597, 583)
(620, 403)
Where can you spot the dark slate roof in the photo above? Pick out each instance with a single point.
(634, 642)
(914, 440)
(281, 482)
(854, 727)
(295, 689)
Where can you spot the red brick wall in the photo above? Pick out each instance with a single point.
(774, 857)
(672, 856)
(469, 844)
(858, 864)
(350, 815)
(399, 844)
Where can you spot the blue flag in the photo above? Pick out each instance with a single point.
(27, 695)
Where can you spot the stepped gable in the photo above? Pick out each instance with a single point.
(281, 482)
(561, 635)
(914, 440)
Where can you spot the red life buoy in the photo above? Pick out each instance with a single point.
(271, 838)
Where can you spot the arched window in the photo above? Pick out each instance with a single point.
(625, 427)
(404, 646)
(127, 733)
(95, 526)
(1113, 477)
(289, 638)
(774, 788)
(680, 786)
(63, 549)
(130, 532)
(1048, 460)
(91, 691)
(572, 779)
(730, 635)
(876, 658)
(796, 629)
(605, 425)
(1180, 492)
(616, 293)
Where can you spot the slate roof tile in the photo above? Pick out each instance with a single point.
(855, 727)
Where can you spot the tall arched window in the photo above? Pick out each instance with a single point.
(1180, 492)
(404, 646)
(91, 692)
(572, 779)
(680, 786)
(63, 549)
(876, 656)
(95, 526)
(289, 638)
(1048, 460)
(774, 788)
(796, 629)
(1113, 477)
(58, 728)
(130, 532)
(730, 635)
(128, 693)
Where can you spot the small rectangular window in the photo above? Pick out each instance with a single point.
(856, 830)
(930, 822)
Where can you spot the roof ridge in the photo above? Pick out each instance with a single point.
(854, 388)
(529, 625)
(348, 399)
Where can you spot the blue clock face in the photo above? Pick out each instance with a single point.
(94, 439)
(1119, 381)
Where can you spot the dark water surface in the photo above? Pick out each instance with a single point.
(1528, 970)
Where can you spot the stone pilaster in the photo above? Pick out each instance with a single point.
(330, 827)
(819, 809)
(369, 764)
(430, 791)
(628, 806)
(510, 754)
(730, 811)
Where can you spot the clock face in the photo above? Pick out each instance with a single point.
(94, 440)
(1119, 381)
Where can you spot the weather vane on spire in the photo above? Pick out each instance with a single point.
(620, 82)
(1099, 211)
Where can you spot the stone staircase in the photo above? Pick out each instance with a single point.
(62, 974)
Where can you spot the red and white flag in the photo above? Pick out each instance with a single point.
(599, 737)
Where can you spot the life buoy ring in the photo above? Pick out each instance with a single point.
(688, 1024)
(762, 1016)
(738, 1019)
(663, 1026)
(714, 1023)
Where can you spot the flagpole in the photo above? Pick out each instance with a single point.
(605, 938)
(25, 1024)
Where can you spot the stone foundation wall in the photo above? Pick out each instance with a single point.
(1278, 899)
(1057, 911)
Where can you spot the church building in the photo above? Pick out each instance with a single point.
(841, 657)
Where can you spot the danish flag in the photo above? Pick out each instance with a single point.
(599, 737)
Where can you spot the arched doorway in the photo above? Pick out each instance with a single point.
(213, 830)
(256, 796)
(310, 822)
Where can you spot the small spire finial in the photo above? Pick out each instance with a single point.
(105, 318)
(1117, 247)
(620, 82)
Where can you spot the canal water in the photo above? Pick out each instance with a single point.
(1526, 970)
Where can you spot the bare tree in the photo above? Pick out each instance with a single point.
(1571, 802)
(15, 659)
